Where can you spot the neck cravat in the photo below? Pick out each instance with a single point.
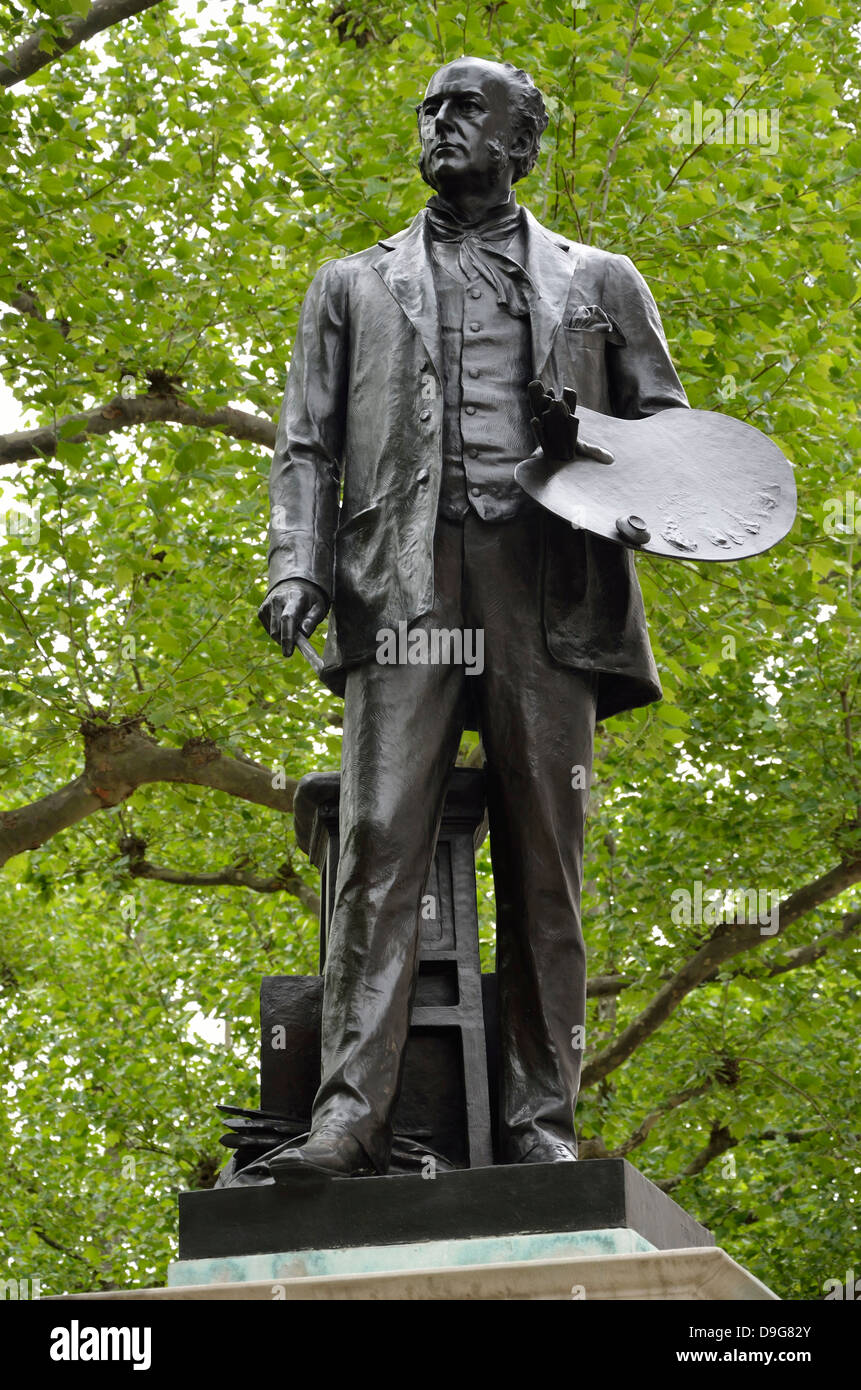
(478, 255)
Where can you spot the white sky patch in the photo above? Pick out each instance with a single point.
(207, 1028)
(12, 417)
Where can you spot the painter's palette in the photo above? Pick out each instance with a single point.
(685, 484)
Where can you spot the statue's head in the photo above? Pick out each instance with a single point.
(480, 125)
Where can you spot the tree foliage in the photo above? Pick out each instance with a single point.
(168, 189)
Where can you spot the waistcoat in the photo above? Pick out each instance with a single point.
(487, 365)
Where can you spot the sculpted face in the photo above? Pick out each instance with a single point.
(465, 127)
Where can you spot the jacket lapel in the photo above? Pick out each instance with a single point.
(405, 268)
(551, 262)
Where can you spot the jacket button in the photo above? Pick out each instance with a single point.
(470, 410)
(425, 415)
(422, 476)
(475, 294)
(474, 372)
(476, 491)
(474, 327)
(473, 453)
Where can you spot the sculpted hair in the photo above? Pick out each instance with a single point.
(529, 118)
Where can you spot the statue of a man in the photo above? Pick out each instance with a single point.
(409, 388)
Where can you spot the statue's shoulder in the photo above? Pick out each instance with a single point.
(359, 261)
(591, 257)
(339, 268)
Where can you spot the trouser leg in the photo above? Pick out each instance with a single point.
(402, 728)
(537, 722)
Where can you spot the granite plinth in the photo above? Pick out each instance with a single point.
(503, 1200)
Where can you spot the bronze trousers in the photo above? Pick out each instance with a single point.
(402, 729)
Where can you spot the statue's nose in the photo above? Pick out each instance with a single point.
(443, 120)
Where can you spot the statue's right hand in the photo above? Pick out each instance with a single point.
(294, 605)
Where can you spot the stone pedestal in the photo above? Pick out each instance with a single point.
(517, 1212)
(703, 1274)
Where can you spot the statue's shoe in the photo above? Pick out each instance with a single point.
(330, 1154)
(549, 1151)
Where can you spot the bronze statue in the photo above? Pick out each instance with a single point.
(410, 387)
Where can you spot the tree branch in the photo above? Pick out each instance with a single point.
(726, 942)
(38, 50)
(284, 880)
(125, 411)
(119, 758)
(806, 955)
(601, 985)
(642, 1131)
(720, 1140)
(26, 303)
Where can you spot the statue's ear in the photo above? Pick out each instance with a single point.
(519, 148)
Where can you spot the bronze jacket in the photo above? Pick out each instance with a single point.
(362, 415)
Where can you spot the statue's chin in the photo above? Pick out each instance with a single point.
(449, 183)
(450, 178)
(448, 172)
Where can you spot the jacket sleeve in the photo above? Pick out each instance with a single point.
(306, 466)
(642, 377)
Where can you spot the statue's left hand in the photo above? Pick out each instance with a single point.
(555, 426)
